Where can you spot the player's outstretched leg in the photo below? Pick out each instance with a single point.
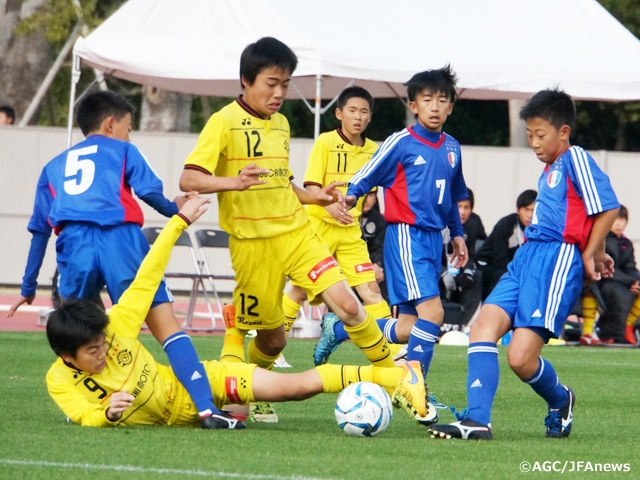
(559, 421)
(273, 340)
(329, 340)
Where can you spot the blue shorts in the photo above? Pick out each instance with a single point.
(90, 257)
(541, 286)
(412, 264)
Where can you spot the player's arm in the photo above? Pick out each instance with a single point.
(597, 264)
(73, 403)
(323, 196)
(460, 255)
(127, 315)
(378, 172)
(41, 232)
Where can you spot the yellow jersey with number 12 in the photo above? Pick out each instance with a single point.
(334, 159)
(233, 138)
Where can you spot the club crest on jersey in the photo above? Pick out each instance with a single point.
(553, 179)
(453, 159)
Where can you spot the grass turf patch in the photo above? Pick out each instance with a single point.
(307, 443)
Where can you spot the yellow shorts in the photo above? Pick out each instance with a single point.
(348, 248)
(262, 265)
(231, 383)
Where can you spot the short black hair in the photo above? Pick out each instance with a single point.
(553, 106)
(470, 198)
(623, 213)
(74, 324)
(265, 53)
(442, 80)
(96, 106)
(526, 198)
(9, 112)
(354, 92)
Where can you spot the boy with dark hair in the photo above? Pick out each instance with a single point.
(574, 210)
(84, 195)
(504, 241)
(105, 377)
(243, 156)
(335, 157)
(420, 169)
(7, 115)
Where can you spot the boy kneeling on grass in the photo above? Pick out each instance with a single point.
(104, 376)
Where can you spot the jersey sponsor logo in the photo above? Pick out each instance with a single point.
(273, 172)
(453, 159)
(124, 357)
(244, 321)
(142, 381)
(321, 267)
(231, 387)
(420, 161)
(553, 179)
(364, 267)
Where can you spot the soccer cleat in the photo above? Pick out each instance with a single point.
(591, 339)
(281, 362)
(262, 412)
(221, 421)
(411, 389)
(630, 335)
(465, 429)
(429, 419)
(559, 422)
(400, 355)
(328, 342)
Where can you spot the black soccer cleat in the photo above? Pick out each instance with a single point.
(559, 422)
(221, 421)
(464, 430)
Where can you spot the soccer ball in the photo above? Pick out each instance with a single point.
(363, 409)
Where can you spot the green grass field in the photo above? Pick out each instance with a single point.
(36, 442)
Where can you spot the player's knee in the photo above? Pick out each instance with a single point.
(350, 306)
(520, 363)
(297, 294)
(271, 345)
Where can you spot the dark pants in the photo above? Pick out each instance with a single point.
(618, 300)
(490, 277)
(463, 304)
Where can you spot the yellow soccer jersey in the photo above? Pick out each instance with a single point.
(84, 397)
(334, 159)
(233, 138)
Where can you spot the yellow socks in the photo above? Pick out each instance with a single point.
(336, 378)
(368, 337)
(290, 309)
(233, 346)
(589, 309)
(634, 313)
(378, 310)
(259, 358)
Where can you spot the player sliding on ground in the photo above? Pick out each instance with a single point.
(104, 376)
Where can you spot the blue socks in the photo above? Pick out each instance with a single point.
(341, 333)
(388, 328)
(482, 380)
(421, 341)
(191, 373)
(545, 383)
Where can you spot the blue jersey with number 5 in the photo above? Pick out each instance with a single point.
(91, 182)
(421, 173)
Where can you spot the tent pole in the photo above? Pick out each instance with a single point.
(75, 76)
(318, 109)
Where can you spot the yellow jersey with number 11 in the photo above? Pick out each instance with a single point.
(233, 138)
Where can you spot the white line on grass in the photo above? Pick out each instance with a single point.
(129, 468)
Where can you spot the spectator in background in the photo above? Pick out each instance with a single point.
(620, 292)
(505, 239)
(7, 115)
(463, 287)
(373, 227)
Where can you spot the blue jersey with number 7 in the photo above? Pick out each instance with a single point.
(421, 172)
(92, 182)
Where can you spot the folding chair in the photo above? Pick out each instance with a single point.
(197, 278)
(211, 238)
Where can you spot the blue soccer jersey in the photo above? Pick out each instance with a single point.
(421, 173)
(91, 182)
(570, 192)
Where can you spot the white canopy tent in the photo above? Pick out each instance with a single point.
(500, 49)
